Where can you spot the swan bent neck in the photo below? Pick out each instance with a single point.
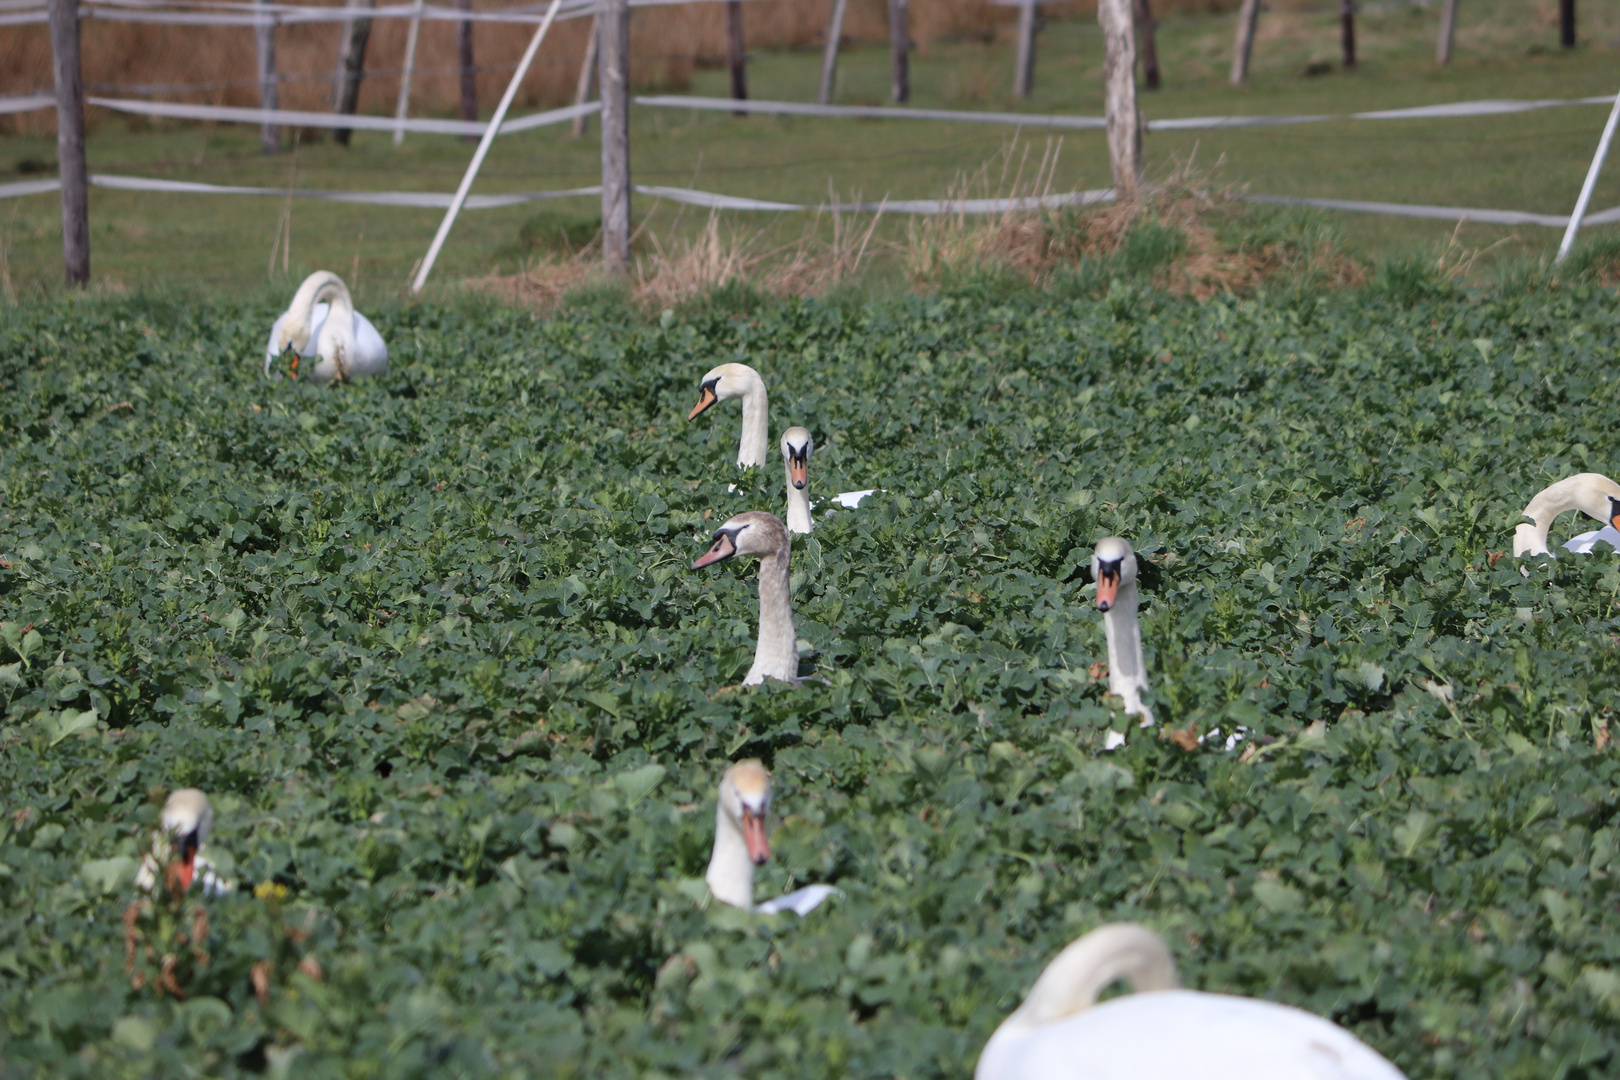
(755, 426)
(299, 313)
(1593, 494)
(1074, 979)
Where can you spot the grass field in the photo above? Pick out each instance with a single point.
(1532, 162)
(432, 642)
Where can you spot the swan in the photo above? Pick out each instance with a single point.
(796, 447)
(1113, 566)
(754, 532)
(740, 844)
(1593, 494)
(739, 380)
(1161, 1032)
(187, 820)
(346, 344)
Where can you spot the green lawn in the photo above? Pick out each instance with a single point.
(1532, 161)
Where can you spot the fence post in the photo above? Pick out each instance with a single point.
(1248, 18)
(614, 58)
(70, 141)
(1591, 182)
(1119, 93)
(1347, 33)
(469, 74)
(351, 67)
(1024, 74)
(1150, 51)
(587, 75)
(829, 53)
(1566, 23)
(735, 53)
(899, 43)
(1448, 31)
(269, 92)
(405, 75)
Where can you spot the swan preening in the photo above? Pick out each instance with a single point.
(741, 843)
(1113, 566)
(1161, 1032)
(739, 380)
(776, 653)
(1593, 494)
(343, 341)
(187, 820)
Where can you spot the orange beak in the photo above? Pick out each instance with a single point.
(705, 399)
(1107, 590)
(759, 845)
(295, 367)
(724, 548)
(1615, 519)
(799, 471)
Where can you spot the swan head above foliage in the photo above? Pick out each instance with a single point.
(189, 819)
(797, 446)
(1113, 567)
(745, 800)
(753, 532)
(724, 383)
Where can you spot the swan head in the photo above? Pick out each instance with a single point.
(188, 818)
(745, 800)
(724, 383)
(1113, 566)
(796, 448)
(751, 533)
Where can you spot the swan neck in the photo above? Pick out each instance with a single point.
(731, 872)
(1072, 982)
(776, 653)
(751, 450)
(798, 507)
(1127, 669)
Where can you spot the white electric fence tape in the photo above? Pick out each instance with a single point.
(295, 117)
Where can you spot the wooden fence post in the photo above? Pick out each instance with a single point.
(64, 15)
(1150, 51)
(587, 75)
(1119, 92)
(829, 53)
(1347, 33)
(736, 57)
(1448, 31)
(1566, 23)
(351, 66)
(403, 104)
(269, 90)
(1024, 73)
(614, 59)
(1248, 18)
(899, 44)
(469, 74)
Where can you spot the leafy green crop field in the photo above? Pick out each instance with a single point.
(432, 644)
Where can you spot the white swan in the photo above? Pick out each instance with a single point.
(1161, 1032)
(776, 653)
(344, 341)
(796, 447)
(740, 844)
(187, 821)
(1113, 566)
(1593, 494)
(739, 380)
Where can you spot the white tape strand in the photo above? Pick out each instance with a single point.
(1438, 213)
(294, 117)
(27, 104)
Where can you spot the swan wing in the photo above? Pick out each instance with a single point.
(370, 352)
(1586, 543)
(850, 500)
(1179, 1034)
(799, 901)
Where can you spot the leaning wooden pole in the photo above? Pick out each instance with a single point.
(899, 47)
(1119, 96)
(477, 162)
(736, 53)
(1448, 32)
(614, 60)
(1248, 19)
(1024, 72)
(829, 52)
(264, 33)
(64, 15)
(1150, 50)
